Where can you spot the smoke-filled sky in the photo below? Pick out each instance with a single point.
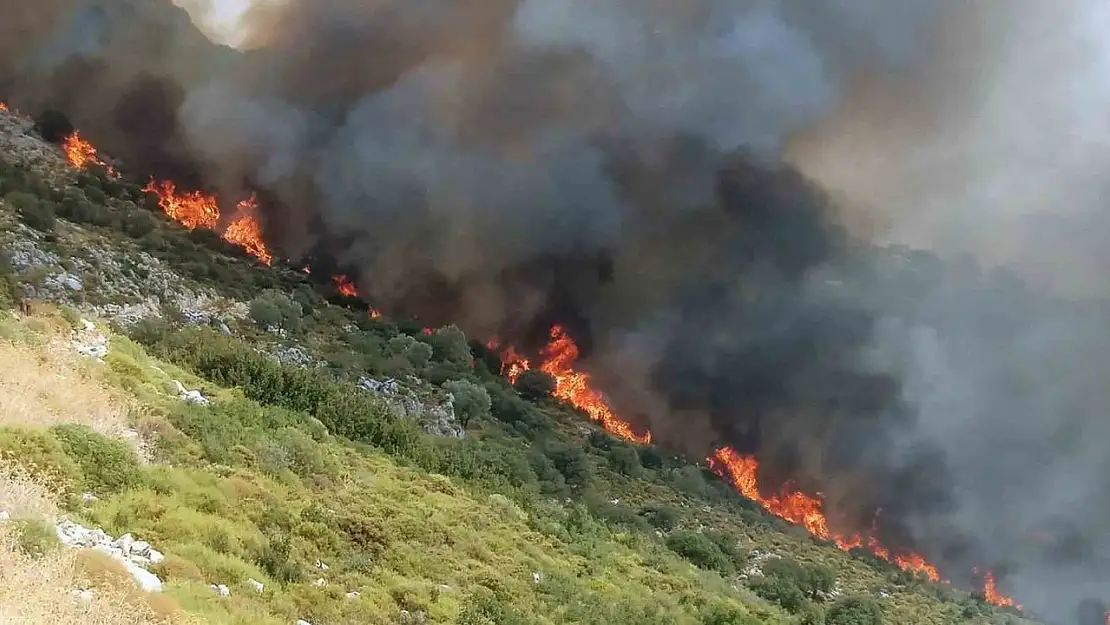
(693, 189)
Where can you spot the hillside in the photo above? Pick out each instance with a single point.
(361, 470)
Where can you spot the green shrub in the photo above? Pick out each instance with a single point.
(700, 550)
(36, 538)
(9, 282)
(854, 611)
(570, 461)
(108, 465)
(779, 590)
(814, 580)
(43, 456)
(274, 309)
(470, 400)
(624, 459)
(660, 516)
(35, 213)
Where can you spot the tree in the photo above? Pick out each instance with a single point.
(854, 611)
(470, 400)
(534, 385)
(449, 344)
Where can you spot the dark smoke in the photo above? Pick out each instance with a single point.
(616, 167)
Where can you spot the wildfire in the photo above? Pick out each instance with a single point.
(3, 107)
(192, 210)
(198, 210)
(80, 153)
(992, 596)
(246, 232)
(344, 285)
(571, 386)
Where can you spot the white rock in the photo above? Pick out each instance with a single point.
(354, 594)
(4, 516)
(71, 282)
(320, 565)
(536, 577)
(88, 497)
(155, 556)
(256, 585)
(140, 548)
(221, 590)
(303, 622)
(320, 582)
(83, 595)
(147, 581)
(124, 543)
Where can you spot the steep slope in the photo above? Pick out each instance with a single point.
(331, 462)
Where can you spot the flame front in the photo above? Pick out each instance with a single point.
(992, 596)
(192, 210)
(246, 232)
(571, 386)
(3, 107)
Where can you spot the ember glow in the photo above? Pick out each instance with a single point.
(344, 285)
(246, 232)
(3, 107)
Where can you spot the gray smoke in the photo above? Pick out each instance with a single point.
(996, 148)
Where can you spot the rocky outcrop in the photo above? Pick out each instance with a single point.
(434, 413)
(135, 555)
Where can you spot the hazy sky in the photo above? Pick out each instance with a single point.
(217, 17)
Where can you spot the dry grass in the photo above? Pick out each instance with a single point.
(47, 385)
(23, 498)
(38, 591)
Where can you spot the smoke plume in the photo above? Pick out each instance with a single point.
(642, 172)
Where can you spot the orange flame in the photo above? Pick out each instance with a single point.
(991, 594)
(192, 210)
(574, 387)
(79, 153)
(246, 232)
(3, 107)
(805, 510)
(375, 313)
(344, 285)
